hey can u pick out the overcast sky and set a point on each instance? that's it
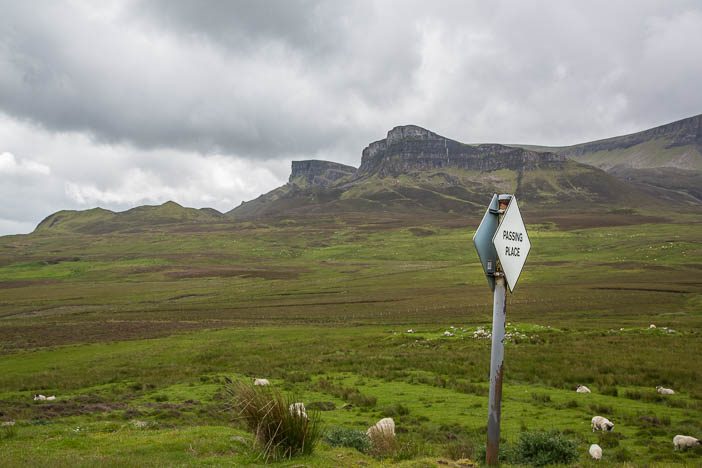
(118, 104)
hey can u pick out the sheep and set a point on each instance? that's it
(298, 409)
(410, 330)
(665, 391)
(582, 389)
(595, 451)
(39, 397)
(261, 382)
(652, 326)
(384, 428)
(51, 398)
(600, 423)
(683, 442)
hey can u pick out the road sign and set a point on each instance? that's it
(512, 243)
(482, 239)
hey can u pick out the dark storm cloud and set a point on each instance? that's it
(139, 101)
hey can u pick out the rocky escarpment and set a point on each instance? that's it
(680, 133)
(410, 148)
(318, 173)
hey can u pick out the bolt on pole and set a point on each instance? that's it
(497, 353)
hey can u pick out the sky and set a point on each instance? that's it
(123, 103)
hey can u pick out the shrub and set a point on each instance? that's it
(7, 430)
(345, 437)
(622, 455)
(543, 398)
(609, 439)
(461, 448)
(543, 448)
(392, 411)
(350, 394)
(278, 432)
(601, 409)
(322, 405)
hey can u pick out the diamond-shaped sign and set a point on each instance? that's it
(482, 239)
(512, 243)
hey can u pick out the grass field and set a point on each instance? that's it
(134, 333)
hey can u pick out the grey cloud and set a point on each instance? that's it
(158, 85)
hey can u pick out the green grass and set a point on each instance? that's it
(134, 334)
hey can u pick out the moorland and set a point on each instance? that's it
(135, 327)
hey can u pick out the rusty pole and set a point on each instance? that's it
(497, 354)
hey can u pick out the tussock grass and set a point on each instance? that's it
(278, 432)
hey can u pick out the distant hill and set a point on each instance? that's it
(99, 220)
(666, 160)
(414, 170)
(416, 174)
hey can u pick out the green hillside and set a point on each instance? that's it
(99, 221)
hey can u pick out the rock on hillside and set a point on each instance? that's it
(319, 173)
(410, 148)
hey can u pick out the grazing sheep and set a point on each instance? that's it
(595, 451)
(298, 409)
(410, 330)
(385, 428)
(448, 333)
(38, 397)
(652, 326)
(683, 442)
(582, 389)
(261, 382)
(665, 391)
(600, 423)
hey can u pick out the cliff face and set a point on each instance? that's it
(680, 133)
(318, 173)
(411, 148)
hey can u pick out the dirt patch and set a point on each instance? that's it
(24, 283)
(40, 335)
(80, 405)
(229, 272)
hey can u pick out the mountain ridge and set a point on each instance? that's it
(418, 172)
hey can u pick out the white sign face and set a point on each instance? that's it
(512, 243)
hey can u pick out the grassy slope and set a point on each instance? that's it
(297, 303)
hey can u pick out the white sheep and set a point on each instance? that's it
(595, 451)
(298, 409)
(582, 389)
(51, 398)
(600, 423)
(665, 391)
(410, 330)
(39, 397)
(448, 333)
(384, 428)
(652, 326)
(682, 442)
(261, 382)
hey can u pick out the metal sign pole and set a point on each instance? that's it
(499, 312)
(502, 243)
(497, 354)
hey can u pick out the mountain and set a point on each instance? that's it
(99, 220)
(664, 160)
(413, 170)
(416, 174)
